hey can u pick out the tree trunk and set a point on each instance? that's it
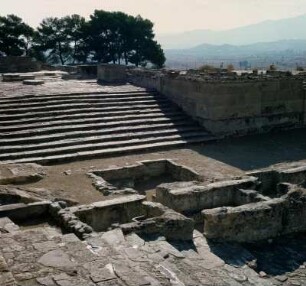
(126, 59)
(60, 54)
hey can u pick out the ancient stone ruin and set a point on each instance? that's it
(141, 177)
(94, 189)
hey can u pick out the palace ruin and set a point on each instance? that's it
(138, 180)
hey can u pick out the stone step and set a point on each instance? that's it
(84, 155)
(57, 128)
(86, 115)
(103, 145)
(95, 132)
(98, 139)
(55, 102)
(60, 96)
(88, 121)
(89, 109)
(81, 127)
(82, 106)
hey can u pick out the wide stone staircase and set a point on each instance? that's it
(55, 128)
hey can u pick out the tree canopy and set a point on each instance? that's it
(106, 37)
(15, 36)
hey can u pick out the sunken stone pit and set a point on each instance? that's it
(142, 177)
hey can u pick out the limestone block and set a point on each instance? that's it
(295, 215)
(20, 173)
(160, 220)
(33, 82)
(101, 215)
(22, 212)
(6, 225)
(194, 198)
(247, 223)
(112, 74)
(17, 77)
(11, 77)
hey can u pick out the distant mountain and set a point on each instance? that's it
(284, 53)
(268, 31)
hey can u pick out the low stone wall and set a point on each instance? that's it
(23, 212)
(189, 198)
(160, 220)
(101, 215)
(87, 71)
(271, 177)
(245, 223)
(19, 64)
(112, 74)
(231, 107)
(258, 221)
(130, 213)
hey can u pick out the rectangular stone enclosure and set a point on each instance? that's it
(141, 177)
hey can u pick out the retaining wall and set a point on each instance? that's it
(229, 107)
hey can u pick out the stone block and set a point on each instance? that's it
(247, 223)
(23, 212)
(295, 212)
(101, 215)
(112, 74)
(33, 82)
(162, 221)
(193, 198)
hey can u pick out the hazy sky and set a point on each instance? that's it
(168, 15)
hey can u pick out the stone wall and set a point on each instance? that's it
(229, 107)
(122, 180)
(246, 223)
(18, 64)
(270, 178)
(258, 221)
(87, 71)
(111, 74)
(101, 215)
(189, 198)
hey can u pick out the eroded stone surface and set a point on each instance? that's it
(23, 194)
(57, 259)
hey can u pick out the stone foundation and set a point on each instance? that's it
(258, 221)
(124, 180)
(190, 198)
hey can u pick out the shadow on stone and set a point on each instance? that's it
(283, 255)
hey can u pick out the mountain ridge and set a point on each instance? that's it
(286, 53)
(266, 31)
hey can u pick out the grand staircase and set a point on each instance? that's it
(57, 128)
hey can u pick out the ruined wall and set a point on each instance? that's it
(18, 64)
(111, 74)
(228, 107)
